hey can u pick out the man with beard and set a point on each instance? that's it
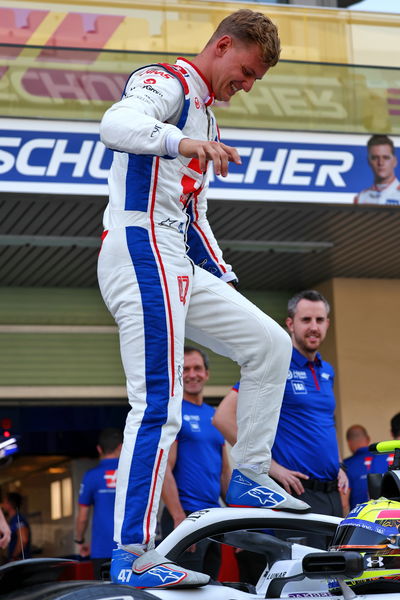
(198, 470)
(305, 454)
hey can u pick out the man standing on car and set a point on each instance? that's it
(198, 471)
(305, 454)
(162, 276)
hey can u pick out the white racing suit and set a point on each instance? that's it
(389, 194)
(156, 235)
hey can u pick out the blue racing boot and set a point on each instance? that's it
(151, 570)
(257, 490)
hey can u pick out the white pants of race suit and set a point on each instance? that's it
(156, 298)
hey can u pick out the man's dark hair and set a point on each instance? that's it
(312, 295)
(109, 439)
(380, 140)
(15, 499)
(190, 349)
(395, 425)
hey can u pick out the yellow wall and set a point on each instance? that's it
(308, 34)
(363, 345)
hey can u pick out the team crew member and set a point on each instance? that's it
(98, 491)
(305, 455)
(361, 463)
(198, 470)
(382, 160)
(19, 547)
(162, 274)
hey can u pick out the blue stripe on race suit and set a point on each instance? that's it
(184, 114)
(197, 251)
(157, 382)
(138, 181)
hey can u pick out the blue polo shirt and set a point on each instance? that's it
(358, 466)
(306, 438)
(98, 490)
(15, 524)
(198, 466)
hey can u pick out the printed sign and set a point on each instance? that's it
(68, 157)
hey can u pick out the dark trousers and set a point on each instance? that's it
(207, 555)
(322, 503)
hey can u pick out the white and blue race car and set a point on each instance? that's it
(292, 570)
(363, 562)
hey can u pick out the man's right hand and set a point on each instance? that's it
(220, 154)
(290, 480)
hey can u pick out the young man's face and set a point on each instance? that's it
(382, 162)
(236, 68)
(309, 325)
(195, 375)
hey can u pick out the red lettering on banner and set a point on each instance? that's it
(54, 83)
(183, 284)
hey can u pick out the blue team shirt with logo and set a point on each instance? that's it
(358, 466)
(98, 490)
(198, 465)
(306, 438)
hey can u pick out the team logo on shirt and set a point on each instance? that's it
(197, 102)
(150, 81)
(298, 387)
(111, 478)
(193, 421)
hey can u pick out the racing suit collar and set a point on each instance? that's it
(208, 95)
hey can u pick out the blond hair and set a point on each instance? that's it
(251, 27)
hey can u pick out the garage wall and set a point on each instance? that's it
(66, 337)
(363, 345)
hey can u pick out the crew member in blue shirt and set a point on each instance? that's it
(19, 547)
(198, 470)
(305, 454)
(361, 463)
(98, 491)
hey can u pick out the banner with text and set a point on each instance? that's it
(59, 157)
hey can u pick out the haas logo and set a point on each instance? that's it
(183, 284)
(111, 478)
